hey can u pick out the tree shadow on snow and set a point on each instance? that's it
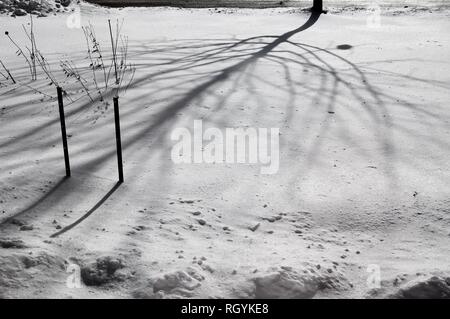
(179, 77)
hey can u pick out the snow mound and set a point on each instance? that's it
(12, 243)
(433, 287)
(102, 271)
(181, 283)
(40, 8)
(287, 283)
(21, 270)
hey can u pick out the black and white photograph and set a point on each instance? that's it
(214, 150)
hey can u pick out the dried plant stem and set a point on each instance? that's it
(100, 54)
(93, 65)
(35, 90)
(113, 52)
(7, 71)
(20, 52)
(38, 56)
(71, 70)
(33, 48)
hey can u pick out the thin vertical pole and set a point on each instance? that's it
(318, 6)
(113, 46)
(118, 139)
(63, 130)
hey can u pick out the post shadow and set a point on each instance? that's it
(37, 202)
(89, 212)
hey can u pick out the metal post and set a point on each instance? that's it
(63, 130)
(318, 6)
(118, 139)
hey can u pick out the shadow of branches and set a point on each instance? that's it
(212, 79)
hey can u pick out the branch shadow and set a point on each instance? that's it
(159, 119)
(174, 74)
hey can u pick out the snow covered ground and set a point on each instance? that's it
(361, 194)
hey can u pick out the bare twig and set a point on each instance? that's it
(97, 49)
(7, 71)
(70, 70)
(114, 47)
(33, 47)
(35, 90)
(93, 65)
(20, 52)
